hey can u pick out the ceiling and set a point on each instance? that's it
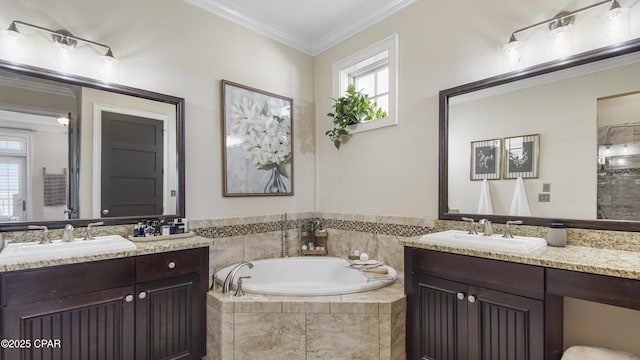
(311, 26)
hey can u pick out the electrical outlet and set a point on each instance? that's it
(542, 197)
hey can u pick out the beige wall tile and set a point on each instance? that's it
(226, 251)
(390, 251)
(359, 307)
(342, 337)
(262, 246)
(269, 336)
(365, 242)
(310, 307)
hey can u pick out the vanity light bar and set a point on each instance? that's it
(62, 37)
(564, 18)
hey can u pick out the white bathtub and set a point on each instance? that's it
(306, 276)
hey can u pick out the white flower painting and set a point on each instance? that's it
(258, 153)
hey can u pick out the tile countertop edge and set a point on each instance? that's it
(143, 248)
(616, 263)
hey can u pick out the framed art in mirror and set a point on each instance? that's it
(522, 156)
(485, 159)
(256, 127)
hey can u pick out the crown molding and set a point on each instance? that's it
(314, 47)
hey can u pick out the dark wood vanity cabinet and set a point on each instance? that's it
(170, 309)
(146, 307)
(462, 307)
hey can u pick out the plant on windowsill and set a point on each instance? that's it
(349, 110)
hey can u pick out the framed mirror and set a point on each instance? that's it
(76, 150)
(578, 114)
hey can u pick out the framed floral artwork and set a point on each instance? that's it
(485, 159)
(257, 128)
(522, 156)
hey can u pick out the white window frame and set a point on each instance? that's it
(25, 154)
(374, 53)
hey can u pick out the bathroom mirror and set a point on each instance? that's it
(75, 150)
(563, 105)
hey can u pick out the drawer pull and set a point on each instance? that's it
(128, 298)
(142, 295)
(472, 299)
(460, 296)
(171, 265)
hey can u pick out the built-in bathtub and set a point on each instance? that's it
(308, 276)
(357, 324)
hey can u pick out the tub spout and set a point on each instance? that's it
(232, 274)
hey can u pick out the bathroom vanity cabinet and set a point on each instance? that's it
(462, 307)
(144, 307)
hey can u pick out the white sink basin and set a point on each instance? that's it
(58, 249)
(457, 238)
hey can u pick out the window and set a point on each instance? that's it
(13, 159)
(372, 70)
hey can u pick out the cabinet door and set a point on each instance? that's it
(504, 326)
(97, 325)
(170, 318)
(442, 319)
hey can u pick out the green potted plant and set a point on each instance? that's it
(351, 109)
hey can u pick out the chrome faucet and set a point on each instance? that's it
(488, 229)
(472, 225)
(45, 233)
(226, 287)
(507, 228)
(68, 233)
(89, 236)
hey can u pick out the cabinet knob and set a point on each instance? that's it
(472, 299)
(128, 298)
(171, 265)
(460, 296)
(105, 211)
(142, 295)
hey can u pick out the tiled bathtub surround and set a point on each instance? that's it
(253, 238)
(368, 325)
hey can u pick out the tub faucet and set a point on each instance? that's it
(45, 233)
(89, 236)
(488, 229)
(226, 287)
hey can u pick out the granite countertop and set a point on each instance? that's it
(142, 248)
(617, 263)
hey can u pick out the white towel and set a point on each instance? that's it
(484, 205)
(578, 352)
(519, 203)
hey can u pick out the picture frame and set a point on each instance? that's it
(257, 128)
(485, 159)
(521, 156)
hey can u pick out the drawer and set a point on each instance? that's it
(518, 279)
(30, 286)
(174, 263)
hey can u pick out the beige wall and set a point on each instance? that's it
(174, 48)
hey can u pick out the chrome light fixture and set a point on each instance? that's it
(561, 23)
(63, 38)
